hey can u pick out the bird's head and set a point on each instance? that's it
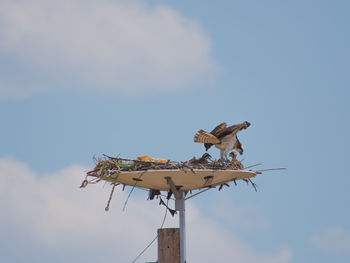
(246, 124)
(207, 146)
(206, 156)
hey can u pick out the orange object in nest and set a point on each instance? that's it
(146, 158)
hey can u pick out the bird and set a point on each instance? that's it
(224, 138)
(203, 160)
(237, 165)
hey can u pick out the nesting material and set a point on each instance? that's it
(151, 173)
(111, 166)
(196, 173)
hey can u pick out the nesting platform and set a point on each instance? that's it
(193, 174)
(184, 180)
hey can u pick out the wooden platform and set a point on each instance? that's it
(188, 180)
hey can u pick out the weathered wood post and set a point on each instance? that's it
(169, 245)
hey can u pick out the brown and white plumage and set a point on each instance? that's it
(224, 138)
(235, 163)
(205, 137)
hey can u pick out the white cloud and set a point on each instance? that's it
(210, 243)
(246, 217)
(122, 46)
(334, 240)
(52, 214)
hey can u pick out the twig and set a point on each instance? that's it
(84, 183)
(253, 184)
(110, 197)
(127, 199)
(132, 189)
(189, 167)
(272, 169)
(250, 166)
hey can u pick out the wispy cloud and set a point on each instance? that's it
(333, 240)
(122, 46)
(247, 217)
(52, 212)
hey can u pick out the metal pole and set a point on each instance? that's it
(180, 206)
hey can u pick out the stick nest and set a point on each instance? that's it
(111, 166)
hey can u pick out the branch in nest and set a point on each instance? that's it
(271, 169)
(251, 166)
(84, 183)
(110, 198)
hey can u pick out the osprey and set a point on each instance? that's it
(236, 164)
(203, 160)
(224, 138)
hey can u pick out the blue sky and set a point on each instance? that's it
(83, 78)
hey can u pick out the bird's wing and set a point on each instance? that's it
(238, 143)
(238, 146)
(218, 129)
(205, 137)
(234, 129)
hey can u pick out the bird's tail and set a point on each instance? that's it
(205, 137)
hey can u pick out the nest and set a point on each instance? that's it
(110, 167)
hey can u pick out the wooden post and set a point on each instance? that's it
(169, 245)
